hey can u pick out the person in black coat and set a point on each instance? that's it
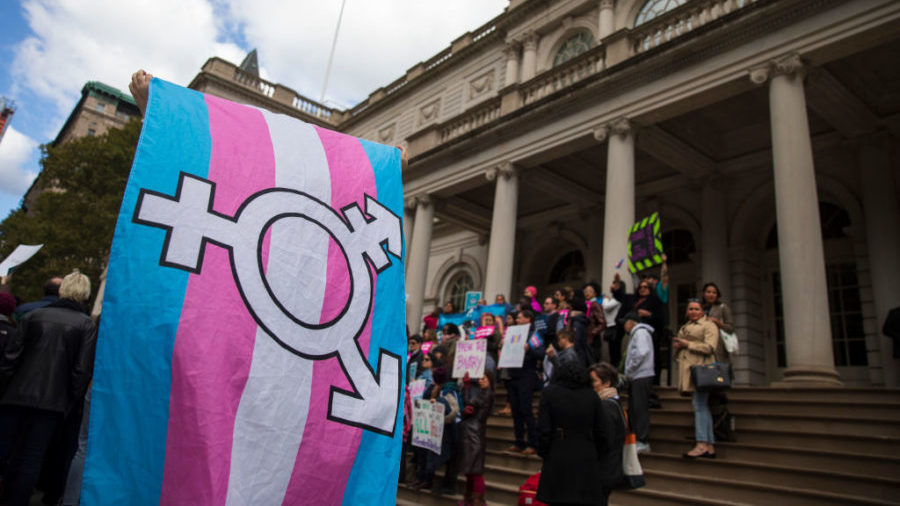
(8, 330)
(522, 383)
(579, 441)
(47, 370)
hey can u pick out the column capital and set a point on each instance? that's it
(530, 40)
(423, 200)
(607, 4)
(505, 170)
(790, 65)
(619, 126)
(511, 49)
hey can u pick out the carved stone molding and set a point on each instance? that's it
(481, 85)
(607, 4)
(790, 64)
(423, 200)
(506, 170)
(512, 48)
(429, 112)
(409, 204)
(386, 133)
(618, 126)
(530, 40)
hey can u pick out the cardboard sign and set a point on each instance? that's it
(472, 299)
(470, 356)
(428, 425)
(417, 389)
(645, 247)
(513, 352)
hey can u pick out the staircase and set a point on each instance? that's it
(797, 447)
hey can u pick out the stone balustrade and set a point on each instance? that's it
(677, 22)
(564, 75)
(479, 115)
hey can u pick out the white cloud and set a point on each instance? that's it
(17, 151)
(75, 41)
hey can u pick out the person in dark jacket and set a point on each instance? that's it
(520, 387)
(48, 368)
(8, 329)
(580, 440)
(51, 295)
(478, 401)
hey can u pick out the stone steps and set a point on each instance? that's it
(822, 446)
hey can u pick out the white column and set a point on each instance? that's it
(498, 278)
(714, 238)
(417, 263)
(512, 62)
(801, 256)
(529, 56)
(882, 214)
(618, 212)
(606, 25)
(409, 210)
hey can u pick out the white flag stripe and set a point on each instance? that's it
(273, 409)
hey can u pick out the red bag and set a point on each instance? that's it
(528, 491)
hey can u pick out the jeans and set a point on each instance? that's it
(703, 423)
(72, 495)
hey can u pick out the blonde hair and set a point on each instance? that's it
(75, 286)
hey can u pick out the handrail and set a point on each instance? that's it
(479, 115)
(570, 72)
(681, 20)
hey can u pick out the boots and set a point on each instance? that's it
(478, 499)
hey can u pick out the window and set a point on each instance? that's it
(679, 246)
(832, 218)
(570, 267)
(92, 132)
(577, 44)
(848, 338)
(100, 106)
(458, 286)
(655, 8)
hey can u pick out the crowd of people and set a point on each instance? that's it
(590, 347)
(46, 363)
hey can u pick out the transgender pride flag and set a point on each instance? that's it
(253, 321)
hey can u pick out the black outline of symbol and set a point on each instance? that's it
(343, 217)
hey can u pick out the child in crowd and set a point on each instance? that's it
(478, 399)
(446, 392)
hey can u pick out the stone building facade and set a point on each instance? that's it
(763, 132)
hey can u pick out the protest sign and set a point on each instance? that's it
(645, 247)
(416, 389)
(428, 424)
(472, 299)
(483, 332)
(19, 256)
(513, 352)
(470, 356)
(268, 255)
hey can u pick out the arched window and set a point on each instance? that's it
(679, 246)
(655, 8)
(575, 45)
(457, 288)
(570, 267)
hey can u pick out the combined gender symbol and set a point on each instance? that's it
(190, 222)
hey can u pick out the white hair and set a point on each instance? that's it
(75, 286)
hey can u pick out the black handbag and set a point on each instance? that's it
(714, 376)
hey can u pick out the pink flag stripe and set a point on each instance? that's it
(267, 433)
(216, 333)
(328, 449)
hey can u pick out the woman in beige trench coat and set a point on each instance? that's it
(696, 345)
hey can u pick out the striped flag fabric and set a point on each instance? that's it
(253, 324)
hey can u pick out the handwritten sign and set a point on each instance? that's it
(428, 425)
(417, 389)
(645, 247)
(513, 352)
(470, 358)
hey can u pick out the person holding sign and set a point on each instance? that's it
(478, 401)
(522, 383)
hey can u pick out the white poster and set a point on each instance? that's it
(416, 389)
(428, 424)
(513, 352)
(470, 356)
(18, 257)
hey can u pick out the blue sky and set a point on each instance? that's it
(50, 48)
